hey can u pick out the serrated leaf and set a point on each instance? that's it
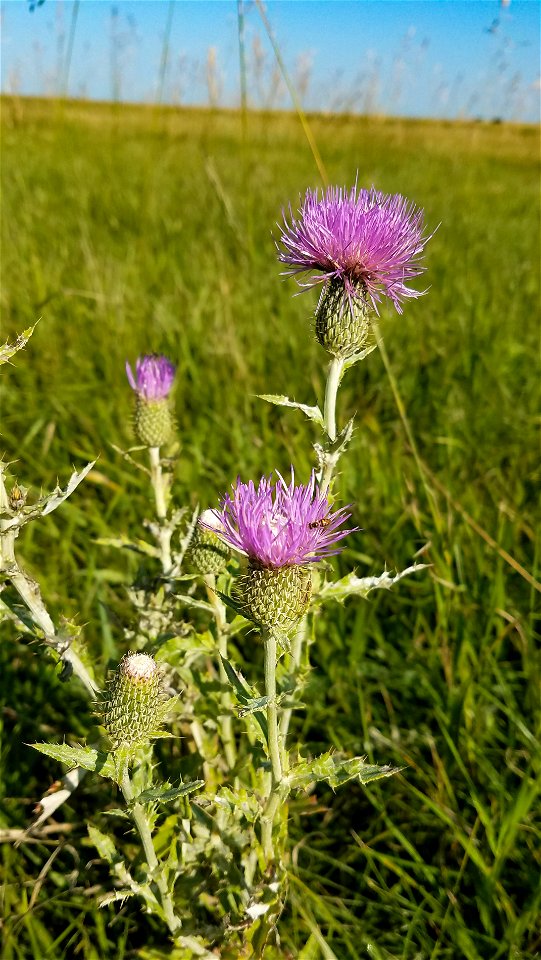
(350, 361)
(335, 771)
(193, 603)
(7, 350)
(351, 585)
(233, 604)
(105, 845)
(116, 812)
(244, 694)
(165, 795)
(258, 704)
(332, 451)
(124, 543)
(86, 757)
(50, 502)
(117, 896)
(313, 413)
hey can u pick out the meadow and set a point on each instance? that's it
(129, 230)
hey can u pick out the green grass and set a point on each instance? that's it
(129, 230)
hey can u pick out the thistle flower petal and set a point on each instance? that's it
(279, 524)
(154, 376)
(372, 242)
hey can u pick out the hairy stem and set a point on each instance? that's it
(274, 799)
(329, 416)
(140, 820)
(296, 656)
(220, 619)
(30, 594)
(160, 497)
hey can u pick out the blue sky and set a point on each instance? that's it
(442, 58)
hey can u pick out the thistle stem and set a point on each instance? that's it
(139, 818)
(160, 497)
(29, 593)
(329, 417)
(296, 655)
(226, 722)
(274, 799)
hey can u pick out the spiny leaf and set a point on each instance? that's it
(7, 350)
(244, 694)
(86, 757)
(50, 502)
(313, 413)
(166, 794)
(351, 585)
(336, 771)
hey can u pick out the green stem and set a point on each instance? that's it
(329, 416)
(220, 619)
(275, 797)
(296, 656)
(139, 817)
(160, 497)
(29, 593)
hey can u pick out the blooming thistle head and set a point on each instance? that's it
(362, 245)
(135, 702)
(282, 529)
(152, 383)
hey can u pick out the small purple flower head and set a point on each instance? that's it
(370, 241)
(154, 376)
(277, 525)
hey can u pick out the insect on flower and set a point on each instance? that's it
(323, 522)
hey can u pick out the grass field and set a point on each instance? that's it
(129, 230)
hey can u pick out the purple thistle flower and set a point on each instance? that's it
(371, 241)
(277, 525)
(154, 376)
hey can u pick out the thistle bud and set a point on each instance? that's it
(276, 597)
(207, 553)
(153, 380)
(135, 705)
(342, 323)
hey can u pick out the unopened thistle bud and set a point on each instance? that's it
(135, 704)
(342, 323)
(153, 380)
(207, 553)
(283, 530)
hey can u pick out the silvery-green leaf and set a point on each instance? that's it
(313, 413)
(58, 496)
(231, 602)
(244, 694)
(350, 361)
(335, 771)
(117, 896)
(48, 503)
(252, 705)
(165, 795)
(7, 350)
(85, 757)
(105, 846)
(124, 543)
(332, 451)
(351, 585)
(192, 602)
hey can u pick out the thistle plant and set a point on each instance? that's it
(214, 868)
